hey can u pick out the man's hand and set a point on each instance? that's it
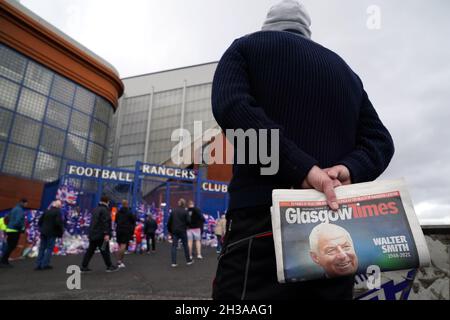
(106, 238)
(318, 179)
(339, 172)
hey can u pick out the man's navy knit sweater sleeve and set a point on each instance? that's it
(235, 108)
(374, 146)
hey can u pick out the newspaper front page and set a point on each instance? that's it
(375, 225)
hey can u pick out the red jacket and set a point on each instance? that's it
(138, 233)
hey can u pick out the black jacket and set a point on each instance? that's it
(196, 217)
(126, 221)
(51, 224)
(178, 221)
(150, 226)
(100, 223)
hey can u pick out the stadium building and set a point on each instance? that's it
(60, 103)
(152, 107)
(156, 104)
(57, 99)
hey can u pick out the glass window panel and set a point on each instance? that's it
(137, 104)
(2, 151)
(134, 128)
(57, 114)
(19, 161)
(5, 123)
(84, 100)
(140, 137)
(63, 90)
(26, 131)
(38, 78)
(124, 131)
(155, 146)
(133, 149)
(124, 140)
(159, 157)
(131, 167)
(47, 167)
(63, 168)
(8, 94)
(32, 104)
(168, 98)
(198, 92)
(198, 105)
(140, 117)
(75, 148)
(52, 140)
(129, 160)
(161, 134)
(172, 122)
(204, 116)
(131, 139)
(172, 110)
(103, 110)
(79, 124)
(12, 64)
(98, 132)
(94, 154)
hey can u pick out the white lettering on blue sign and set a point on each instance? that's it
(214, 187)
(168, 172)
(99, 173)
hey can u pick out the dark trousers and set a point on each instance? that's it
(151, 236)
(176, 236)
(247, 266)
(45, 251)
(219, 243)
(11, 243)
(93, 245)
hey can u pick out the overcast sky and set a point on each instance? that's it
(405, 65)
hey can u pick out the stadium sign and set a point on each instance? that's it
(214, 187)
(100, 173)
(168, 172)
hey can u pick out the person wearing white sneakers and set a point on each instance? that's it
(194, 231)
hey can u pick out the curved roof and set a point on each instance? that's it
(26, 32)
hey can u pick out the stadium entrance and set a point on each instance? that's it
(149, 185)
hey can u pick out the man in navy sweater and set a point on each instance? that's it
(329, 135)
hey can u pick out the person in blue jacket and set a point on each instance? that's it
(15, 226)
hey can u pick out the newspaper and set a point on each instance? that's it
(374, 227)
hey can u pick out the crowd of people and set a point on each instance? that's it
(185, 223)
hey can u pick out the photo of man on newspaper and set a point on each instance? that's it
(332, 248)
(375, 225)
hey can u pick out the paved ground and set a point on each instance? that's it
(146, 277)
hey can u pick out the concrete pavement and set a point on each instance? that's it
(145, 277)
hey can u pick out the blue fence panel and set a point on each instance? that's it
(49, 194)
